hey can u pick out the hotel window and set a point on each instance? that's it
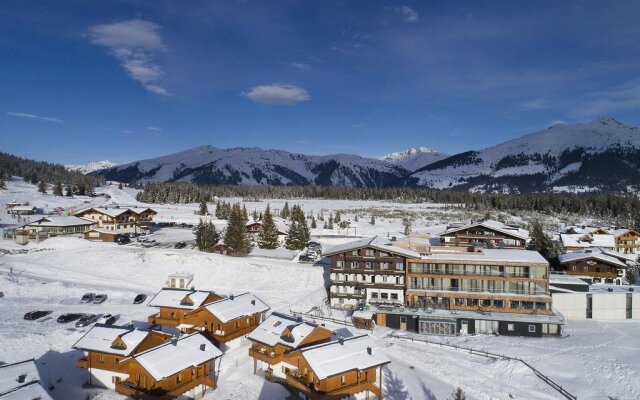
(384, 265)
(374, 295)
(354, 252)
(510, 327)
(400, 266)
(383, 254)
(384, 278)
(394, 296)
(384, 296)
(532, 329)
(343, 380)
(101, 359)
(368, 265)
(354, 264)
(340, 264)
(369, 252)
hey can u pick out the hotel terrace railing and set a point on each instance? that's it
(298, 382)
(156, 319)
(498, 274)
(130, 389)
(265, 355)
(497, 291)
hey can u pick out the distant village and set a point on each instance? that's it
(476, 277)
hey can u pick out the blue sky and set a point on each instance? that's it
(84, 81)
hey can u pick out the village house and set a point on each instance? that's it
(120, 219)
(575, 238)
(278, 335)
(106, 347)
(100, 235)
(253, 229)
(174, 303)
(486, 233)
(60, 226)
(595, 263)
(367, 271)
(627, 241)
(343, 368)
(20, 381)
(23, 210)
(8, 206)
(228, 318)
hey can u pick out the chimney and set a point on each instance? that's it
(231, 297)
(174, 341)
(22, 378)
(369, 351)
(203, 346)
(340, 339)
(253, 302)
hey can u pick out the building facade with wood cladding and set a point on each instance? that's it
(174, 304)
(367, 271)
(486, 233)
(596, 264)
(120, 219)
(344, 368)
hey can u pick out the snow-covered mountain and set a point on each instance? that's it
(91, 167)
(603, 154)
(414, 157)
(242, 165)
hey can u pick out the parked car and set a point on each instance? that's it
(86, 320)
(122, 239)
(107, 319)
(68, 317)
(87, 297)
(140, 299)
(100, 298)
(307, 257)
(180, 245)
(33, 315)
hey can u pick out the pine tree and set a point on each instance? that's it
(217, 213)
(337, 217)
(330, 223)
(285, 213)
(268, 235)
(373, 220)
(295, 239)
(203, 207)
(541, 242)
(355, 218)
(42, 187)
(245, 214)
(3, 183)
(57, 190)
(120, 186)
(67, 191)
(34, 179)
(254, 214)
(206, 236)
(235, 237)
(314, 224)
(406, 222)
(458, 394)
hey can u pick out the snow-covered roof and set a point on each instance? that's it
(116, 211)
(12, 388)
(60, 221)
(173, 298)
(375, 242)
(23, 208)
(586, 255)
(496, 255)
(232, 307)
(174, 356)
(491, 224)
(271, 330)
(621, 231)
(362, 314)
(343, 355)
(100, 338)
(566, 279)
(631, 258)
(587, 240)
(282, 225)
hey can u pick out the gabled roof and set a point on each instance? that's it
(233, 307)
(340, 356)
(375, 242)
(622, 231)
(271, 331)
(174, 298)
(24, 208)
(60, 221)
(282, 225)
(587, 240)
(11, 386)
(589, 255)
(106, 339)
(491, 224)
(176, 355)
(117, 210)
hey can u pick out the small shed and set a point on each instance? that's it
(362, 319)
(100, 235)
(180, 280)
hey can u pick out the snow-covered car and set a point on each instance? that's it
(87, 297)
(68, 317)
(107, 319)
(33, 315)
(100, 298)
(86, 320)
(139, 299)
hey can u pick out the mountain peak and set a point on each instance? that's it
(91, 167)
(411, 151)
(610, 121)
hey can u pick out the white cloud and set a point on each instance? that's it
(278, 94)
(409, 14)
(301, 65)
(153, 129)
(33, 116)
(134, 43)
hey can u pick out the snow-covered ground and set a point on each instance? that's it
(596, 360)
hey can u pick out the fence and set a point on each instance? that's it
(494, 356)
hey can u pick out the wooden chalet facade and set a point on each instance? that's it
(627, 241)
(282, 225)
(174, 304)
(227, 318)
(107, 348)
(367, 271)
(486, 233)
(278, 335)
(603, 268)
(344, 368)
(509, 281)
(120, 220)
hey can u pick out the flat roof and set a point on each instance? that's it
(375, 242)
(494, 255)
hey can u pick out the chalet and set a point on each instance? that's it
(600, 266)
(60, 226)
(120, 220)
(583, 241)
(107, 347)
(8, 206)
(100, 235)
(367, 271)
(23, 210)
(253, 229)
(174, 303)
(627, 241)
(278, 335)
(344, 368)
(228, 318)
(487, 233)
(21, 380)
(344, 224)
(181, 367)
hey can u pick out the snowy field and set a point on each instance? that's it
(596, 359)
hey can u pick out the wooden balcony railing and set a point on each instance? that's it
(298, 382)
(130, 389)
